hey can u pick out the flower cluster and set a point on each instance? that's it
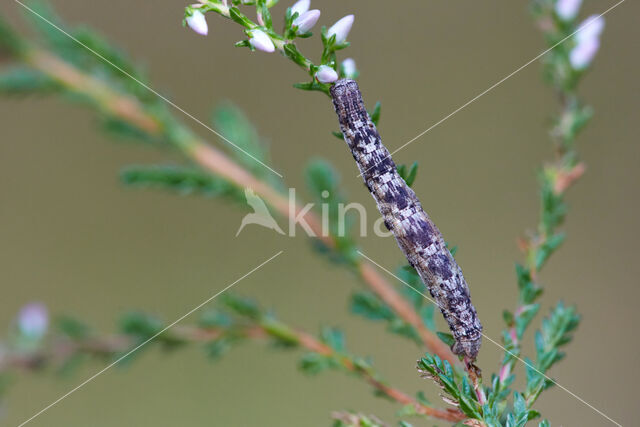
(586, 38)
(587, 41)
(299, 20)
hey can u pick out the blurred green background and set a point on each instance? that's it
(73, 237)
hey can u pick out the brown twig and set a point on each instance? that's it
(61, 350)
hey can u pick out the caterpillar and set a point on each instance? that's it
(416, 235)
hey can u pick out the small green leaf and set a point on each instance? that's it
(239, 18)
(408, 175)
(446, 338)
(334, 338)
(243, 306)
(507, 316)
(73, 328)
(292, 52)
(141, 325)
(20, 80)
(314, 363)
(313, 86)
(213, 318)
(375, 114)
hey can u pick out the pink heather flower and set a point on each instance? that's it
(349, 69)
(198, 23)
(261, 41)
(568, 9)
(581, 56)
(341, 29)
(301, 7)
(260, 19)
(326, 74)
(306, 21)
(590, 28)
(33, 320)
(587, 42)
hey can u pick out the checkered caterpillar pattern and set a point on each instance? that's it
(418, 237)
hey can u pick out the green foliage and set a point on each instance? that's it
(217, 348)
(408, 174)
(458, 390)
(313, 86)
(122, 129)
(90, 52)
(369, 306)
(545, 250)
(214, 318)
(415, 292)
(73, 328)
(324, 185)
(375, 116)
(556, 332)
(313, 363)
(235, 319)
(529, 290)
(496, 396)
(21, 80)
(246, 307)
(520, 415)
(558, 327)
(236, 127)
(140, 325)
(334, 338)
(446, 338)
(181, 179)
(10, 41)
(554, 209)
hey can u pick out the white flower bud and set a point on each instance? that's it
(349, 69)
(341, 29)
(301, 7)
(581, 56)
(306, 21)
(568, 9)
(33, 320)
(261, 41)
(326, 74)
(590, 28)
(198, 23)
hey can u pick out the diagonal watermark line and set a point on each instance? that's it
(502, 80)
(150, 89)
(499, 345)
(127, 354)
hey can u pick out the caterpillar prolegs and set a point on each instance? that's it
(418, 237)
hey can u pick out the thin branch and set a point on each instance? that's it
(62, 349)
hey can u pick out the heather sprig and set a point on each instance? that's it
(71, 343)
(263, 36)
(58, 65)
